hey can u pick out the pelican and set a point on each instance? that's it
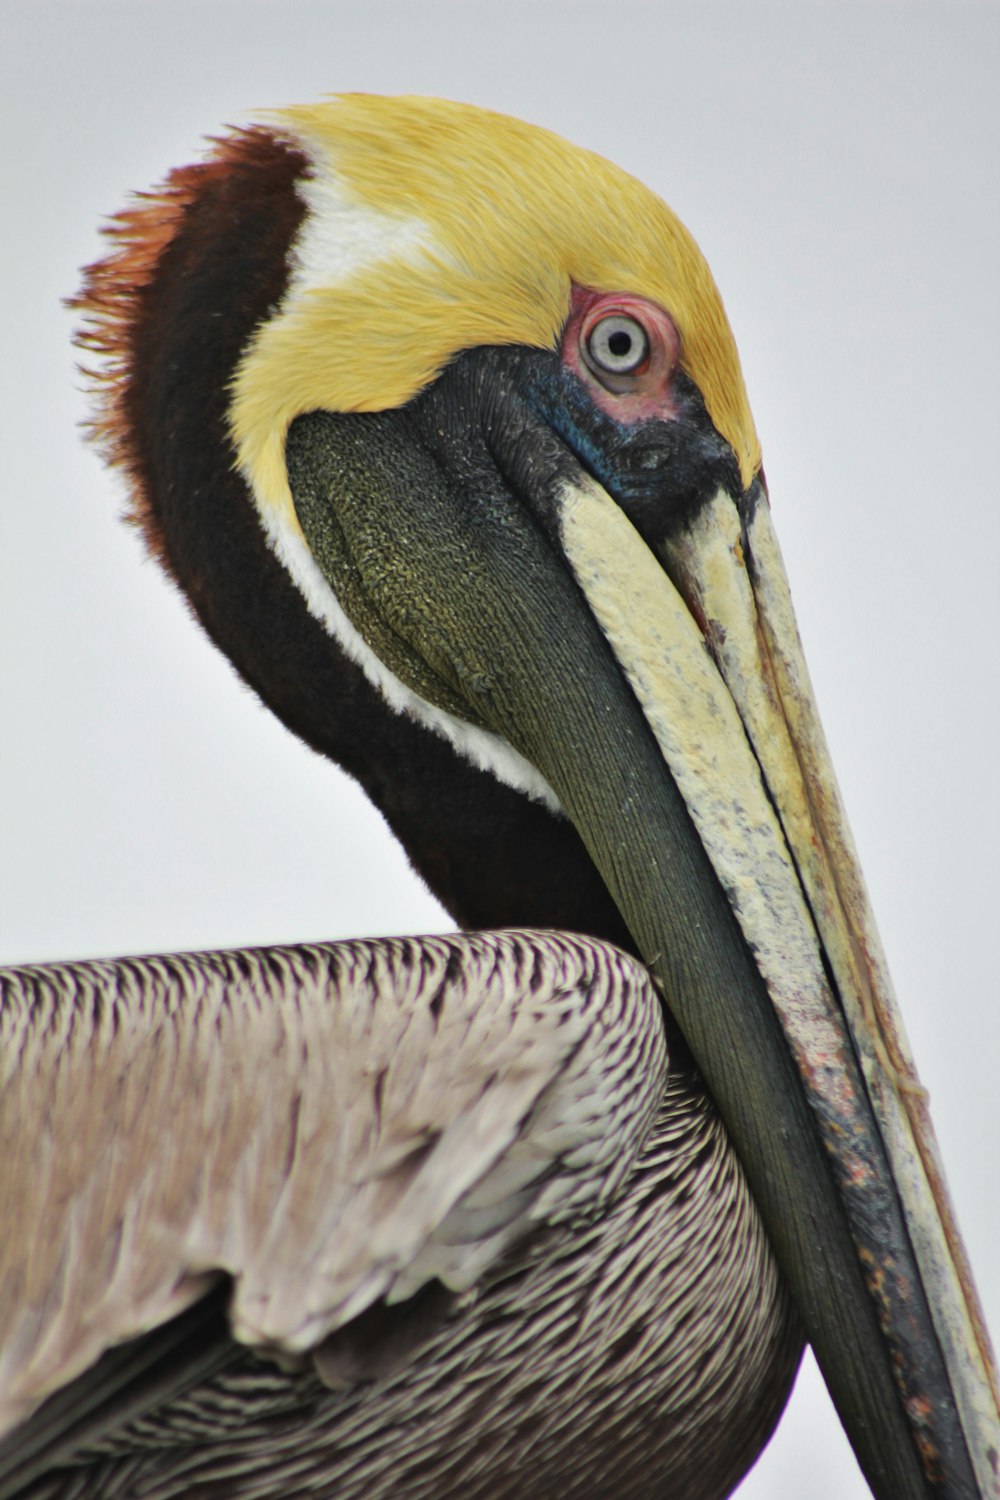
(438, 423)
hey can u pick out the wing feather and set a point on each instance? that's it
(327, 1126)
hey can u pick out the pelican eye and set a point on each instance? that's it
(617, 345)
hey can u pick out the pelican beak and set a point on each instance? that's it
(713, 654)
(655, 679)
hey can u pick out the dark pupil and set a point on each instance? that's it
(620, 344)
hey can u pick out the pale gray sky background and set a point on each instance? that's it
(838, 164)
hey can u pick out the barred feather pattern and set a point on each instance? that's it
(616, 1304)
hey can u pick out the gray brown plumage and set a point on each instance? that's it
(336, 1125)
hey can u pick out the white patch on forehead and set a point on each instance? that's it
(341, 235)
(483, 749)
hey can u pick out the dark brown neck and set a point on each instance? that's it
(492, 857)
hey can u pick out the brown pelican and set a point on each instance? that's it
(439, 424)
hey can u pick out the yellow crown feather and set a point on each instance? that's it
(470, 228)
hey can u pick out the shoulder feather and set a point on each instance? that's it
(328, 1126)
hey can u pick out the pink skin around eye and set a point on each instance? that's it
(648, 392)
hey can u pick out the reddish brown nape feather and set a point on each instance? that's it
(115, 299)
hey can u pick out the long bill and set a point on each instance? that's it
(665, 701)
(739, 730)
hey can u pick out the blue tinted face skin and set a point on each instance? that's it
(660, 471)
(511, 424)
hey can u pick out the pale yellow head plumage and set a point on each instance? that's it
(436, 227)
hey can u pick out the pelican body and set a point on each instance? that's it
(439, 425)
